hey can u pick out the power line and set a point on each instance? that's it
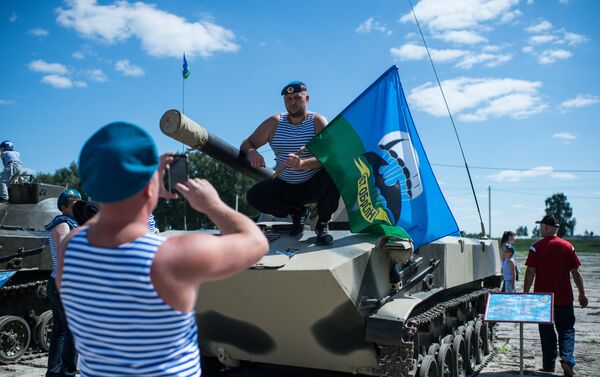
(518, 169)
(546, 195)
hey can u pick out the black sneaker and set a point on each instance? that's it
(323, 236)
(2, 200)
(298, 220)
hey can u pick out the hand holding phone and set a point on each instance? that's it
(178, 172)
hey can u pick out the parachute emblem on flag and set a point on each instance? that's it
(396, 170)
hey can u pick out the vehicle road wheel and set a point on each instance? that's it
(480, 334)
(433, 349)
(428, 367)
(445, 361)
(43, 330)
(459, 351)
(471, 343)
(15, 336)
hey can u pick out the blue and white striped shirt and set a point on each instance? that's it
(122, 327)
(72, 223)
(288, 138)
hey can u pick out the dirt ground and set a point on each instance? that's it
(505, 363)
(587, 335)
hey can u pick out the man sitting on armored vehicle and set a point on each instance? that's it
(302, 179)
(130, 294)
(11, 160)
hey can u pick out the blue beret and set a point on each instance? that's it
(69, 193)
(117, 162)
(293, 87)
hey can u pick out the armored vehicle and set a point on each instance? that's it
(364, 305)
(25, 266)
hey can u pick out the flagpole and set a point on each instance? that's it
(183, 145)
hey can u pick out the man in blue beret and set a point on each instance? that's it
(302, 179)
(62, 356)
(129, 294)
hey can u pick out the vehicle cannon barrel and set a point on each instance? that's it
(181, 128)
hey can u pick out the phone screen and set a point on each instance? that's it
(178, 171)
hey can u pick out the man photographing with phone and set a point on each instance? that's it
(129, 295)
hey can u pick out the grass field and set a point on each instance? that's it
(582, 245)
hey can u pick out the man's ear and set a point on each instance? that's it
(307, 98)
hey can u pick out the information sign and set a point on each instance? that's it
(520, 307)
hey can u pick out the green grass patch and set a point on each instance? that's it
(582, 245)
(502, 350)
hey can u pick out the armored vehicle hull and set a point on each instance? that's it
(364, 305)
(25, 266)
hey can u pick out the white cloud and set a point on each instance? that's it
(62, 82)
(529, 2)
(38, 32)
(489, 60)
(96, 75)
(12, 17)
(461, 37)
(544, 38)
(369, 25)
(528, 50)
(574, 39)
(460, 14)
(551, 56)
(563, 2)
(125, 67)
(45, 67)
(564, 176)
(410, 51)
(78, 55)
(539, 27)
(566, 136)
(540, 171)
(477, 99)
(580, 101)
(160, 33)
(464, 59)
(518, 175)
(6, 102)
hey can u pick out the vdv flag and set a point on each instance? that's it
(186, 71)
(373, 153)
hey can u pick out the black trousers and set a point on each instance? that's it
(279, 198)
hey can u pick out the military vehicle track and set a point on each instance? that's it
(470, 342)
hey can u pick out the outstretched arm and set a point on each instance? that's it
(578, 279)
(182, 263)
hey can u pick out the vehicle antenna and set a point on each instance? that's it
(451, 118)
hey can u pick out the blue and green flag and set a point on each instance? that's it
(373, 153)
(186, 71)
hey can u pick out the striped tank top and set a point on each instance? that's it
(120, 324)
(72, 223)
(288, 138)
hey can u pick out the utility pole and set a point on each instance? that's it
(489, 211)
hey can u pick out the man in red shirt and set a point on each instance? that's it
(549, 263)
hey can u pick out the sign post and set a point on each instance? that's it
(520, 308)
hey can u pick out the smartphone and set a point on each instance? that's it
(178, 172)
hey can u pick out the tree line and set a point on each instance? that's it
(171, 214)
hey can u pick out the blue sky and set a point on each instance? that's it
(520, 77)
